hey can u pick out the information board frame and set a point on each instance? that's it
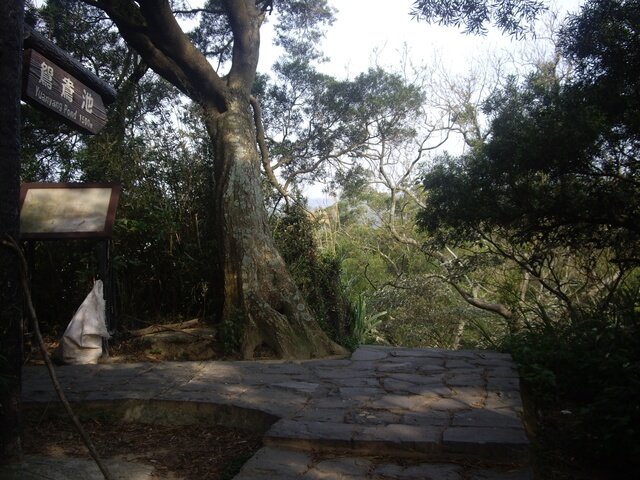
(53, 211)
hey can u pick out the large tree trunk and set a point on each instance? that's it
(258, 289)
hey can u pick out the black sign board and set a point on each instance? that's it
(49, 87)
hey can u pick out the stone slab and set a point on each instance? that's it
(418, 403)
(64, 468)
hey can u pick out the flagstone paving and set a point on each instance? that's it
(381, 413)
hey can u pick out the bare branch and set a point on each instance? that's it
(262, 144)
(12, 244)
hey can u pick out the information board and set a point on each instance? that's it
(68, 210)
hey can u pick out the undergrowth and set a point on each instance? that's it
(586, 369)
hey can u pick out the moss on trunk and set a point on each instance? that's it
(258, 289)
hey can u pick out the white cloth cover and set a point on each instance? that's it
(81, 342)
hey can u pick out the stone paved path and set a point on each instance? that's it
(382, 413)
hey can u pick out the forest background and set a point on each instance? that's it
(495, 207)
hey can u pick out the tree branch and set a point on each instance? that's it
(245, 20)
(262, 144)
(498, 308)
(150, 27)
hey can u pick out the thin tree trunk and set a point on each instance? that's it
(459, 332)
(12, 14)
(258, 289)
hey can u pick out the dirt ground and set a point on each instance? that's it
(176, 452)
(202, 452)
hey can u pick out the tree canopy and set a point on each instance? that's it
(511, 16)
(546, 211)
(561, 163)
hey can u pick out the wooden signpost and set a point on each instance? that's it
(48, 87)
(61, 86)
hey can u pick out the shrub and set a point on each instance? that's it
(590, 364)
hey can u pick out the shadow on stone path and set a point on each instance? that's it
(382, 413)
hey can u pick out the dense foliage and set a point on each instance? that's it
(162, 253)
(318, 275)
(552, 197)
(512, 16)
